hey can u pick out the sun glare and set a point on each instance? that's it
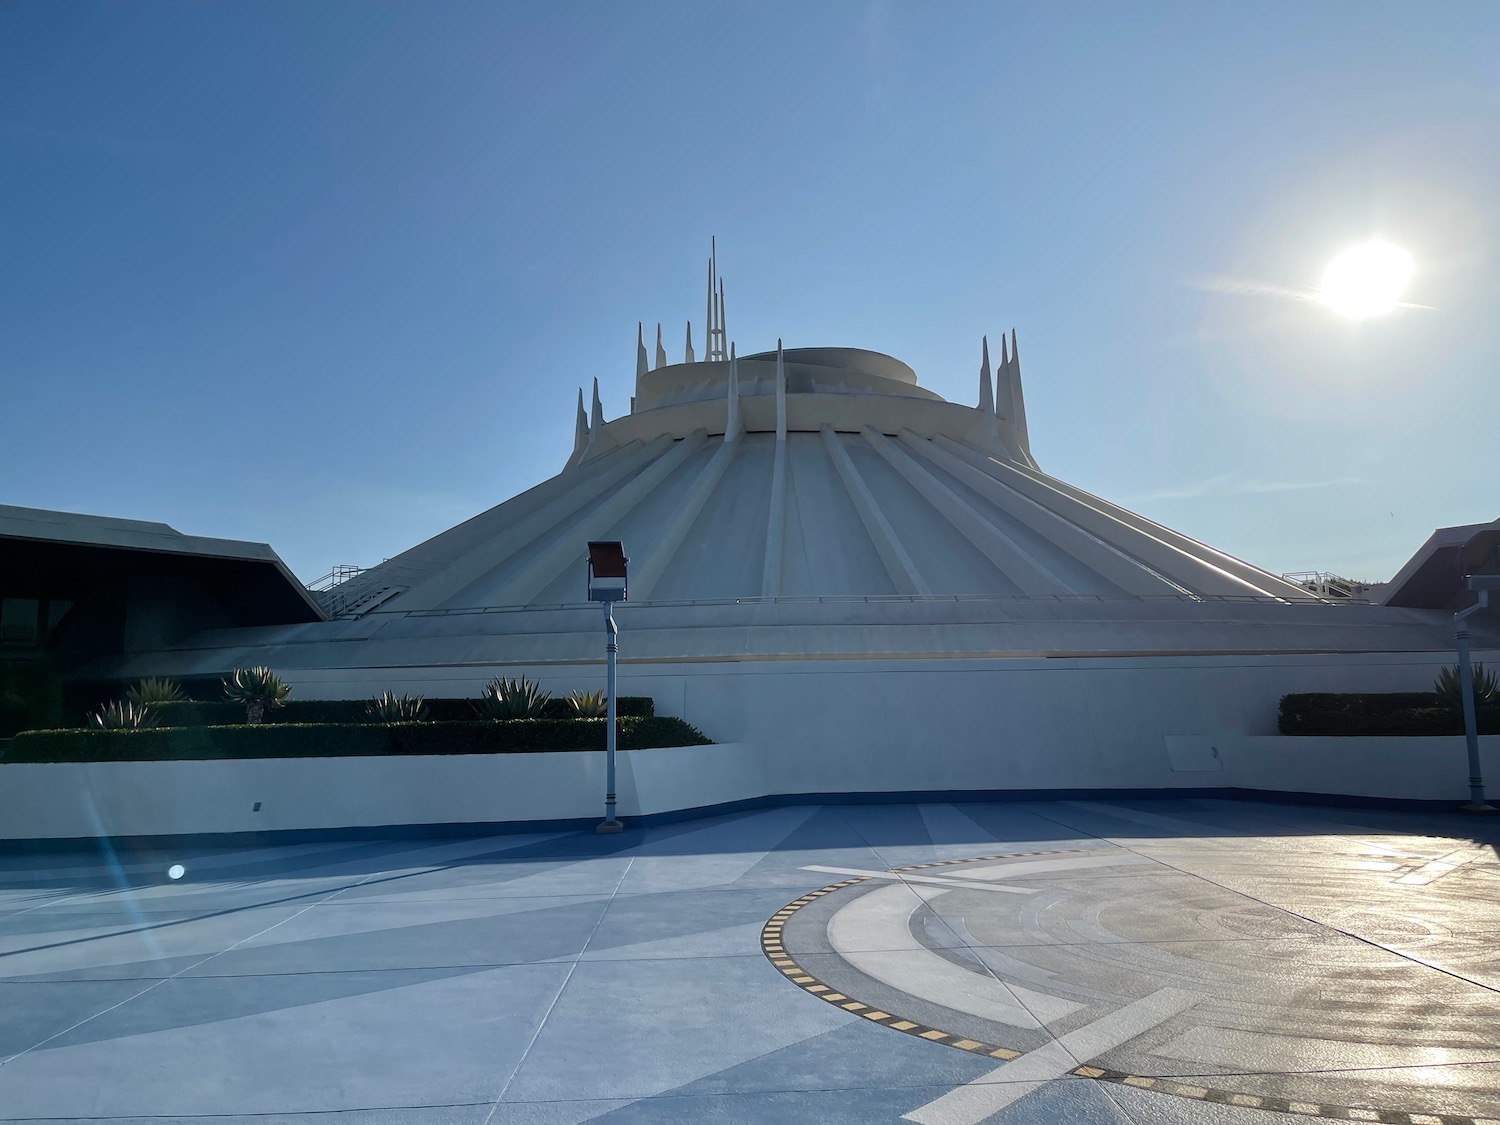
(1366, 280)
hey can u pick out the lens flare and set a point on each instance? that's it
(1366, 280)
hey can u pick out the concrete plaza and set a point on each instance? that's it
(1140, 962)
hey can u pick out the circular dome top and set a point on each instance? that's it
(861, 360)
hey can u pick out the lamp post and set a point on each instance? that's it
(1481, 584)
(607, 584)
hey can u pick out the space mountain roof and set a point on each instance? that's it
(802, 503)
(809, 472)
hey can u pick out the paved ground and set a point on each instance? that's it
(1133, 962)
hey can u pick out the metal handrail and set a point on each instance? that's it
(882, 599)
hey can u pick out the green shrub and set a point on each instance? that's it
(296, 740)
(203, 713)
(588, 704)
(257, 689)
(390, 708)
(122, 715)
(1449, 687)
(1377, 714)
(512, 699)
(154, 690)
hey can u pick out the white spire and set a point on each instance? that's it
(687, 351)
(1018, 401)
(986, 388)
(596, 420)
(661, 352)
(732, 416)
(1004, 398)
(581, 427)
(780, 394)
(641, 366)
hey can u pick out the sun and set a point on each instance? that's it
(1366, 280)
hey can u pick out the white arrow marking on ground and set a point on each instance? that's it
(872, 934)
(990, 1093)
(909, 877)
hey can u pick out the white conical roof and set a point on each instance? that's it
(871, 486)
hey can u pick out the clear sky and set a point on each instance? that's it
(329, 275)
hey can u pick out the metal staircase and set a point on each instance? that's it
(1326, 584)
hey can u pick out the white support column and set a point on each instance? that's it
(902, 571)
(732, 424)
(1004, 553)
(1198, 568)
(645, 575)
(595, 525)
(591, 481)
(1106, 560)
(770, 586)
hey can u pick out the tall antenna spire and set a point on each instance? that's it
(708, 315)
(661, 352)
(716, 342)
(641, 366)
(687, 351)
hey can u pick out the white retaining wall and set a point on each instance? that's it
(164, 798)
(793, 727)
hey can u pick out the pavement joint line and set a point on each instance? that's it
(813, 986)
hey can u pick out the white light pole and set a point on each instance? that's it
(607, 584)
(1481, 584)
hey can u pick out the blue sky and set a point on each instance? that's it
(329, 275)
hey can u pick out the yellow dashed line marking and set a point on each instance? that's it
(771, 946)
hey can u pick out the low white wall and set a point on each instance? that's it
(794, 727)
(934, 723)
(1420, 769)
(62, 801)
(67, 800)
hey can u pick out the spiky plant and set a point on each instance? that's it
(587, 704)
(1449, 687)
(154, 689)
(512, 699)
(387, 707)
(257, 689)
(121, 714)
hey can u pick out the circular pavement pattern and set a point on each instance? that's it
(1167, 982)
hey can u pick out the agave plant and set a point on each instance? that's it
(121, 714)
(512, 699)
(257, 689)
(388, 707)
(1449, 687)
(155, 689)
(587, 704)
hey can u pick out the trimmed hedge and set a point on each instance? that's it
(199, 713)
(338, 740)
(1371, 714)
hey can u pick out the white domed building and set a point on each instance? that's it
(874, 588)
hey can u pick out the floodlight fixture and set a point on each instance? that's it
(607, 572)
(1482, 582)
